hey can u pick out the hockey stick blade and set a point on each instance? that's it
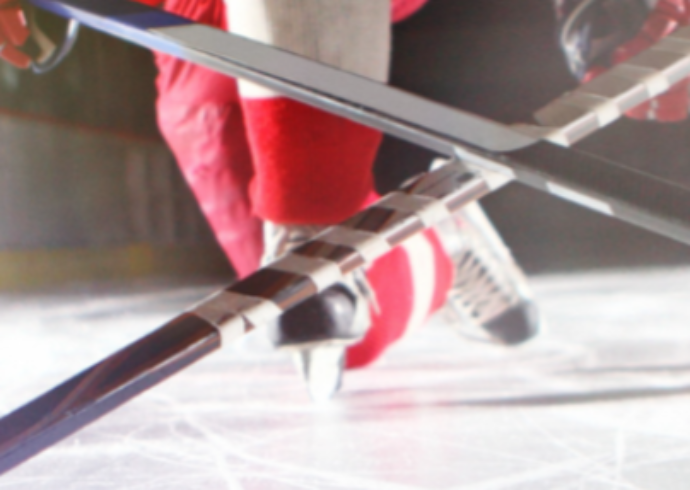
(638, 198)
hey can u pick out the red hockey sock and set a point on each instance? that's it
(207, 138)
(311, 167)
(410, 283)
(199, 115)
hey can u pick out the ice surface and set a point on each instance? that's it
(602, 401)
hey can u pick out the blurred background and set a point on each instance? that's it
(89, 191)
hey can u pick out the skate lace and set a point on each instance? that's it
(477, 289)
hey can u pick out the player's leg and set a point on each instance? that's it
(200, 117)
(314, 169)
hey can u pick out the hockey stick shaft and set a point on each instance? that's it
(602, 185)
(229, 314)
(103, 387)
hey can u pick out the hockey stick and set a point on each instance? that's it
(227, 315)
(602, 185)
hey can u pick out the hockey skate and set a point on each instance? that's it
(490, 297)
(318, 330)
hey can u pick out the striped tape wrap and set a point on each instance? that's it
(338, 250)
(605, 99)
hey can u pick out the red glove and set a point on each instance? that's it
(673, 105)
(402, 9)
(14, 32)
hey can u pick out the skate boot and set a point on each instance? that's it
(319, 330)
(490, 296)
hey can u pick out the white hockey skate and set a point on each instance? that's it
(490, 296)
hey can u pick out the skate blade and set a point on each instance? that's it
(322, 370)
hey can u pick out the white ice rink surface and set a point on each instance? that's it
(601, 401)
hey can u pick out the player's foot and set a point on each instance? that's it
(318, 330)
(365, 315)
(490, 294)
